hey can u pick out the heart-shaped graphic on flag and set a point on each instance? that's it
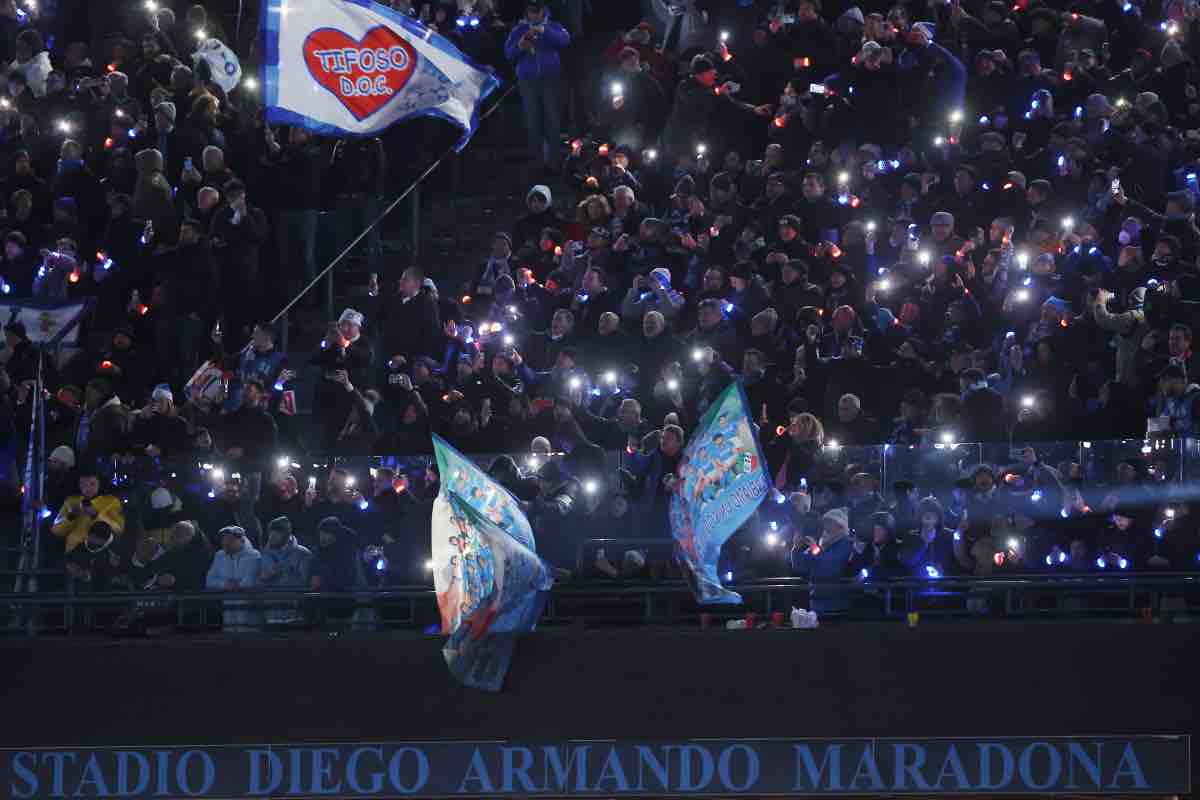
(363, 74)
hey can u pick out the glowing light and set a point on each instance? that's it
(932, 571)
(590, 486)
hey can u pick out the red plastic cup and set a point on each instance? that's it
(777, 619)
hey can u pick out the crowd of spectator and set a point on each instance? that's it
(898, 228)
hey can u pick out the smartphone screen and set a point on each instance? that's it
(816, 88)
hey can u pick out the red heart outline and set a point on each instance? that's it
(376, 39)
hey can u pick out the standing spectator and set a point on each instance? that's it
(410, 321)
(343, 359)
(297, 168)
(285, 565)
(337, 567)
(825, 561)
(249, 440)
(239, 230)
(235, 568)
(533, 45)
(103, 421)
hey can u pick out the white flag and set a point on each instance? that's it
(354, 68)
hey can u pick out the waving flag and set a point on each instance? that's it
(489, 581)
(354, 68)
(721, 481)
(45, 322)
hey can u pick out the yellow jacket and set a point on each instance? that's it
(73, 524)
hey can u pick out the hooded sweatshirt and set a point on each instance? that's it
(289, 563)
(152, 198)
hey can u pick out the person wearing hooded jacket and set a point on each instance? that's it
(336, 566)
(152, 199)
(285, 565)
(527, 232)
(235, 568)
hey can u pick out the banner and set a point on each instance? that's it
(1041, 767)
(354, 68)
(721, 481)
(45, 323)
(490, 583)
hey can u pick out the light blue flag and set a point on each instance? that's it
(721, 480)
(490, 583)
(354, 68)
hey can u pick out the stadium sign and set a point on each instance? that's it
(759, 767)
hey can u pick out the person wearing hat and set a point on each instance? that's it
(534, 46)
(157, 430)
(235, 568)
(60, 477)
(698, 99)
(165, 509)
(499, 264)
(825, 561)
(630, 103)
(793, 291)
(81, 511)
(879, 553)
(101, 426)
(527, 231)
(336, 566)
(285, 565)
(556, 510)
(344, 358)
(1131, 328)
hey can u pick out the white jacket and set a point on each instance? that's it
(35, 70)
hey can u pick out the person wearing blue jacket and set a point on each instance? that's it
(825, 562)
(533, 46)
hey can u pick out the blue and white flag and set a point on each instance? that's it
(46, 323)
(722, 480)
(354, 68)
(490, 583)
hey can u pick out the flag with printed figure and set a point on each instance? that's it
(489, 581)
(354, 68)
(721, 481)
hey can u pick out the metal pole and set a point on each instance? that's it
(416, 221)
(414, 187)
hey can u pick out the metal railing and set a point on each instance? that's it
(1129, 596)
